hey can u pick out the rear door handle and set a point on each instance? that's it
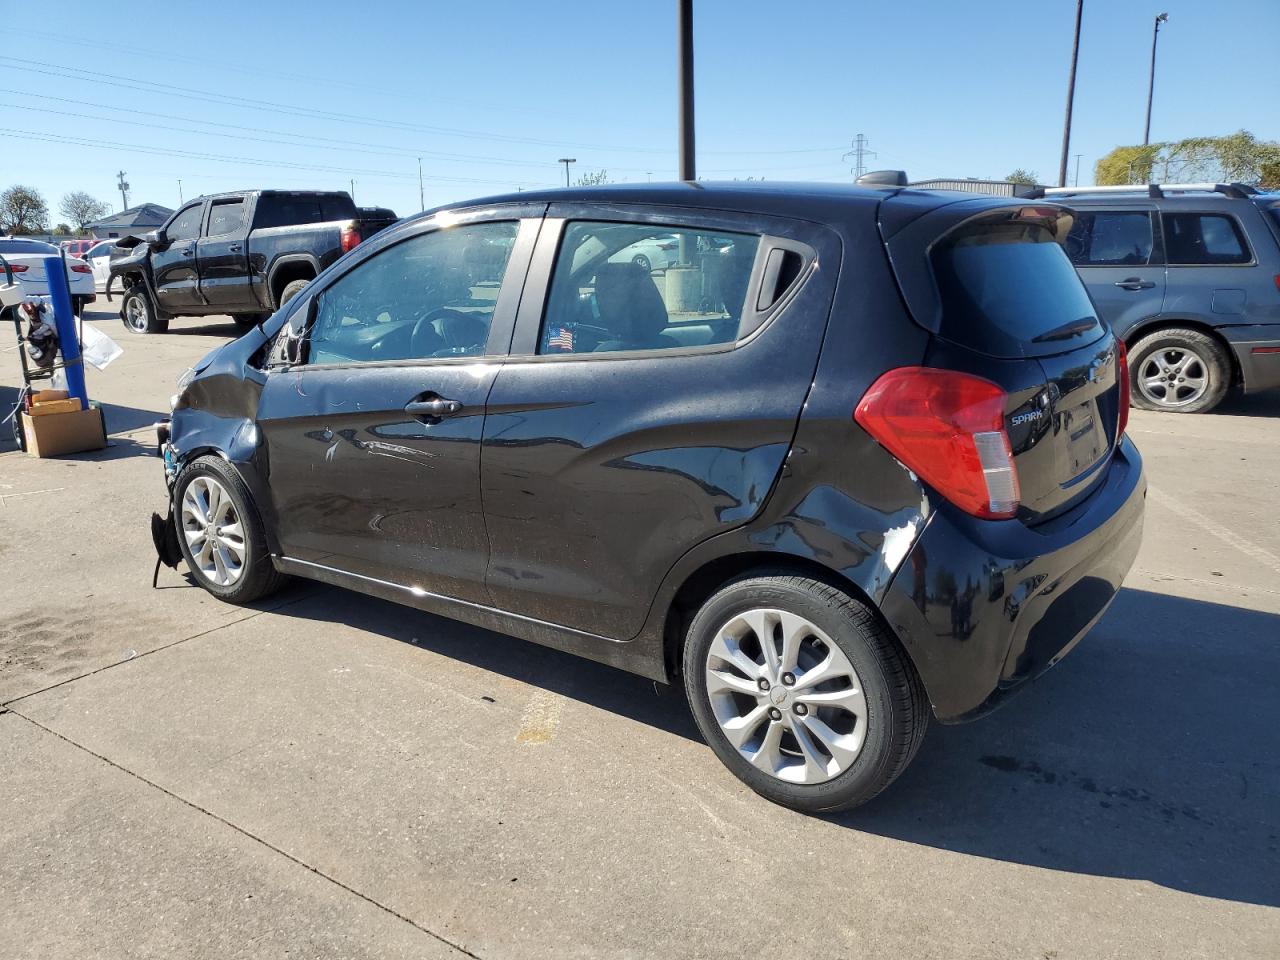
(435, 407)
(1135, 283)
(234, 248)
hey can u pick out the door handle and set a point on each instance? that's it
(187, 251)
(1135, 283)
(435, 407)
(233, 248)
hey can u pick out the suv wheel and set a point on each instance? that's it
(1179, 370)
(802, 692)
(221, 535)
(139, 312)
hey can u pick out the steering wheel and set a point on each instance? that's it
(436, 314)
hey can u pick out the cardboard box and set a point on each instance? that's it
(42, 408)
(40, 396)
(58, 433)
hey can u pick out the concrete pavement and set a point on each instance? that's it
(336, 776)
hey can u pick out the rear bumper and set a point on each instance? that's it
(984, 606)
(1257, 350)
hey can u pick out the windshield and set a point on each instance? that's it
(26, 246)
(1008, 290)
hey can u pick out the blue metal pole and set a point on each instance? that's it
(64, 319)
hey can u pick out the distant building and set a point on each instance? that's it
(999, 188)
(139, 219)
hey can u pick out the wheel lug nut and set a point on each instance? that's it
(801, 709)
(788, 679)
(762, 683)
(775, 713)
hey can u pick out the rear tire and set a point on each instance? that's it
(216, 518)
(291, 290)
(862, 704)
(138, 311)
(1179, 370)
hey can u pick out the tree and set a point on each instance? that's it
(1019, 175)
(82, 209)
(594, 179)
(1238, 156)
(62, 230)
(23, 210)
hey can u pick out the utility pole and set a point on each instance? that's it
(422, 203)
(861, 150)
(180, 200)
(353, 190)
(566, 161)
(1077, 180)
(1151, 84)
(684, 67)
(124, 190)
(1071, 96)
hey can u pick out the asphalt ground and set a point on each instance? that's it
(329, 775)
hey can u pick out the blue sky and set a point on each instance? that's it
(491, 92)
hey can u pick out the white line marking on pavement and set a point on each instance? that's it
(541, 717)
(29, 493)
(1247, 547)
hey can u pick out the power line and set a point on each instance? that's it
(253, 161)
(208, 96)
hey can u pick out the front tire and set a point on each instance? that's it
(640, 260)
(1179, 370)
(291, 290)
(139, 312)
(221, 533)
(802, 692)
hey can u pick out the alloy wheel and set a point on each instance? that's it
(135, 314)
(786, 696)
(214, 533)
(1173, 377)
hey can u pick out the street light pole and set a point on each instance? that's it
(1071, 96)
(1151, 84)
(422, 203)
(684, 28)
(566, 161)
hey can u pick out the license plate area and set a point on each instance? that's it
(1082, 439)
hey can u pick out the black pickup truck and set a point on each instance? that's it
(242, 254)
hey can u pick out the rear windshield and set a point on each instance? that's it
(26, 246)
(1008, 290)
(286, 210)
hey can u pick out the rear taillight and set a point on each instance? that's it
(949, 428)
(1122, 381)
(18, 267)
(81, 268)
(350, 237)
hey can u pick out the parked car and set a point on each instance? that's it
(1189, 276)
(842, 498)
(99, 259)
(651, 253)
(242, 254)
(77, 248)
(26, 261)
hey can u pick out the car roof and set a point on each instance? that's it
(821, 202)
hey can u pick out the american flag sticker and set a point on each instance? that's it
(561, 338)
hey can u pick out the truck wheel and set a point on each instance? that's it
(291, 290)
(802, 692)
(1179, 371)
(139, 312)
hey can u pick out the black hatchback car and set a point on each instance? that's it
(853, 456)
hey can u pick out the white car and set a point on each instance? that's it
(651, 253)
(99, 258)
(26, 262)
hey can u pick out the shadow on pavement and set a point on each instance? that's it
(1149, 753)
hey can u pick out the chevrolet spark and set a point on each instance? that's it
(852, 457)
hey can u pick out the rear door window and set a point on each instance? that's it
(1008, 290)
(225, 216)
(1198, 239)
(286, 210)
(633, 286)
(1110, 238)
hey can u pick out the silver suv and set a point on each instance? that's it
(1189, 276)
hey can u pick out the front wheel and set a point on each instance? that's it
(1179, 371)
(139, 312)
(291, 290)
(221, 534)
(802, 692)
(641, 261)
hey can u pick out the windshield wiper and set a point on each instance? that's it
(1067, 330)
